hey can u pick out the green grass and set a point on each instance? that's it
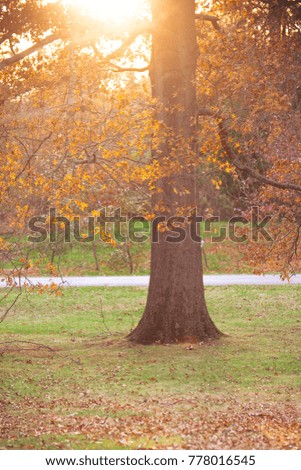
(95, 376)
(79, 258)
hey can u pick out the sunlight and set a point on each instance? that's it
(114, 11)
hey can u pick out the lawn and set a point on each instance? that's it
(100, 258)
(94, 390)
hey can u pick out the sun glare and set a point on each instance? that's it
(114, 11)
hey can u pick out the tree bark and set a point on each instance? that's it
(275, 15)
(176, 310)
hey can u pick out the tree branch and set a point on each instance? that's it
(232, 157)
(27, 163)
(5, 37)
(117, 68)
(36, 346)
(21, 55)
(10, 307)
(295, 245)
(141, 29)
(214, 20)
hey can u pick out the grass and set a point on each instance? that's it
(98, 391)
(103, 259)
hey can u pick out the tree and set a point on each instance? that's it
(176, 308)
(229, 111)
(32, 21)
(251, 118)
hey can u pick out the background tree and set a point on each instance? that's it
(248, 88)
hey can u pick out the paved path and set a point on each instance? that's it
(143, 281)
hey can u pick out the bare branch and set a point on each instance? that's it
(213, 19)
(10, 307)
(295, 245)
(31, 343)
(21, 55)
(141, 29)
(232, 157)
(5, 37)
(11, 47)
(117, 68)
(27, 164)
(208, 112)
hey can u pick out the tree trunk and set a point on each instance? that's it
(176, 310)
(275, 20)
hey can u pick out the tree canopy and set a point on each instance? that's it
(80, 130)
